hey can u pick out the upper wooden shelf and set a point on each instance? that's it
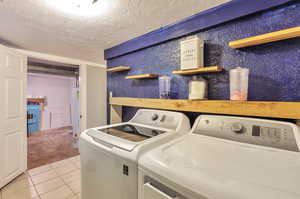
(118, 69)
(142, 76)
(209, 69)
(266, 38)
(290, 110)
(36, 100)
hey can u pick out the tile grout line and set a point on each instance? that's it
(80, 178)
(57, 176)
(38, 195)
(45, 180)
(74, 194)
(28, 178)
(60, 177)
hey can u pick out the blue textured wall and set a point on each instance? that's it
(274, 68)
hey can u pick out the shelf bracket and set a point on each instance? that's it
(115, 114)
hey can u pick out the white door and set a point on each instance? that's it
(92, 96)
(13, 139)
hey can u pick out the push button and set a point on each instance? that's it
(272, 133)
(278, 133)
(264, 131)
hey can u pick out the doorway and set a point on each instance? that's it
(53, 111)
(13, 104)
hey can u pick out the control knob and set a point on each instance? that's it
(154, 117)
(237, 128)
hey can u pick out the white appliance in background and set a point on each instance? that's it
(109, 154)
(192, 53)
(225, 158)
(75, 112)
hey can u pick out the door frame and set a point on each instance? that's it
(82, 77)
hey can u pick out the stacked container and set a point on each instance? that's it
(164, 87)
(239, 83)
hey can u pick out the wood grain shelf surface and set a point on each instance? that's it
(118, 69)
(289, 110)
(209, 69)
(36, 100)
(266, 38)
(142, 76)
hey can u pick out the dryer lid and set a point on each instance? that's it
(222, 169)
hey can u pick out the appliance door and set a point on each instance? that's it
(150, 192)
(105, 175)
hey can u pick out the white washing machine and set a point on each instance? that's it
(225, 158)
(109, 154)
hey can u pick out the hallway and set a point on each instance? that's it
(45, 147)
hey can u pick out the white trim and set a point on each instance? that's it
(47, 75)
(82, 75)
(83, 96)
(58, 58)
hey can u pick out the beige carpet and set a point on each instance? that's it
(45, 147)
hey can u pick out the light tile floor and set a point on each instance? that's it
(59, 180)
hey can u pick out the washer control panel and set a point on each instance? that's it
(164, 119)
(281, 135)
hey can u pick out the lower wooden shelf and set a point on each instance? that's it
(289, 110)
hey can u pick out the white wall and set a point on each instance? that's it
(96, 96)
(57, 90)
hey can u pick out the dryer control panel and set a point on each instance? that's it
(276, 134)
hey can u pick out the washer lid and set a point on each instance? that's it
(222, 169)
(124, 136)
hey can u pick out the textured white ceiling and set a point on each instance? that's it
(37, 25)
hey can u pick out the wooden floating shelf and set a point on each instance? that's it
(142, 76)
(118, 69)
(266, 38)
(36, 100)
(209, 69)
(290, 110)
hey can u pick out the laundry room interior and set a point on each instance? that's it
(135, 99)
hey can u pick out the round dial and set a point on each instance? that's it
(154, 133)
(154, 117)
(237, 128)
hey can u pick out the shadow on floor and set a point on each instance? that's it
(49, 146)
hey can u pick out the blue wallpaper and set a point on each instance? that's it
(274, 68)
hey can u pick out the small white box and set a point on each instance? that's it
(192, 53)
